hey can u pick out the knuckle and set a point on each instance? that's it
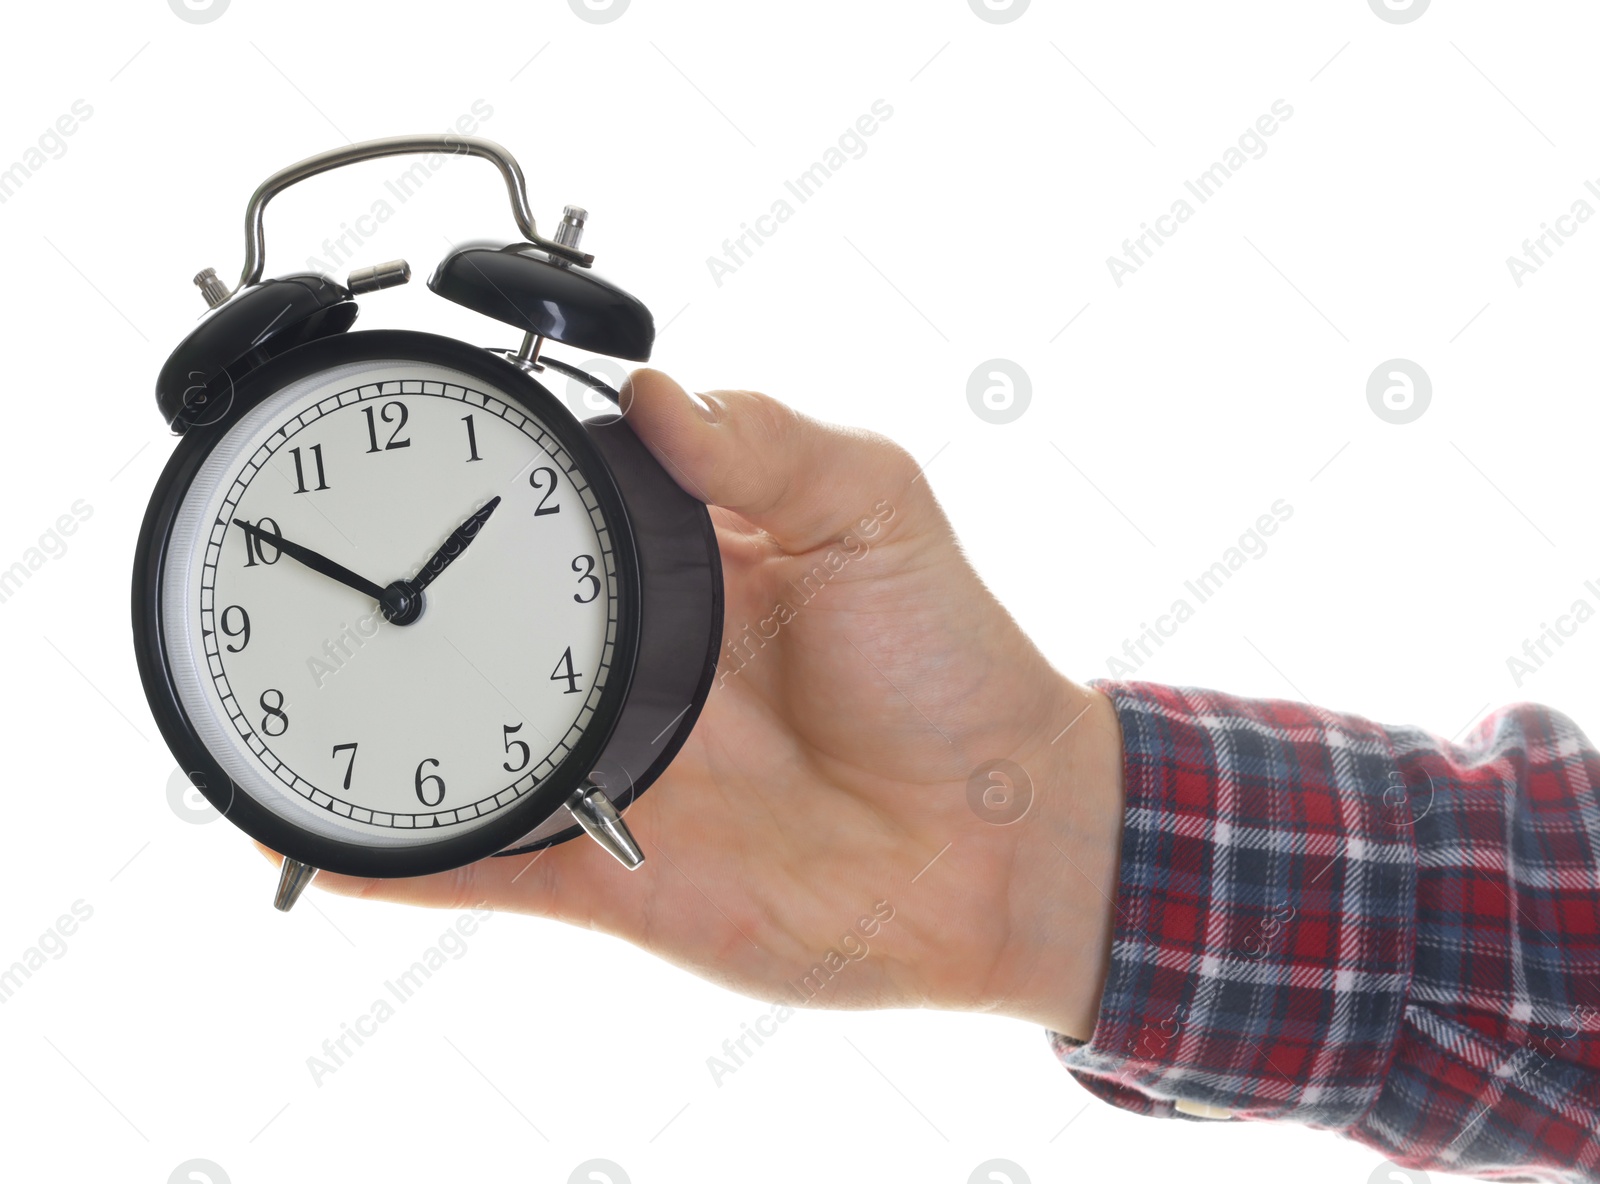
(770, 439)
(898, 463)
(766, 421)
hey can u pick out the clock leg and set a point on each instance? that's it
(600, 819)
(292, 882)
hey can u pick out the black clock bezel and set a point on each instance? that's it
(233, 800)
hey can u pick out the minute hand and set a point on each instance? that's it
(317, 563)
(453, 546)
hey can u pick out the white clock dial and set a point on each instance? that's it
(334, 717)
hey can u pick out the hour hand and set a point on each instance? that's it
(316, 562)
(460, 538)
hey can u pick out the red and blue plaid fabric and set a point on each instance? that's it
(1360, 928)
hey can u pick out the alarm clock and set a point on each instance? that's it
(396, 607)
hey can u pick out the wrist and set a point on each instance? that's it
(1067, 862)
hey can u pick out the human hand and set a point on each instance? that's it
(819, 816)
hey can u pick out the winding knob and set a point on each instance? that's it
(211, 287)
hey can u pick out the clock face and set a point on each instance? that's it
(328, 713)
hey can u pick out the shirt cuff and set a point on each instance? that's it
(1265, 913)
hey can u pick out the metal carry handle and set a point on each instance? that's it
(255, 248)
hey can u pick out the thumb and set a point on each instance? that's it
(803, 481)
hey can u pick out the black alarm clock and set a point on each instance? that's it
(395, 607)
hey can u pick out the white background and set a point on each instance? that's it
(1229, 372)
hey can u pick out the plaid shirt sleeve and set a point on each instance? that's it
(1359, 928)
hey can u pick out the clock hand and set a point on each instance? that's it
(460, 538)
(317, 563)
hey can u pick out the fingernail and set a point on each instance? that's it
(706, 406)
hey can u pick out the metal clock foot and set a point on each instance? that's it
(600, 819)
(292, 882)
